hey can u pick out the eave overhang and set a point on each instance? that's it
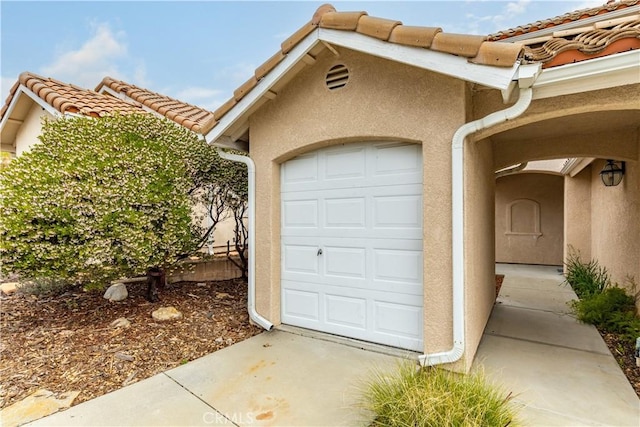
(599, 73)
(499, 78)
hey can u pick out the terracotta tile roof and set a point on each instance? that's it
(563, 19)
(590, 42)
(187, 115)
(600, 34)
(476, 48)
(68, 98)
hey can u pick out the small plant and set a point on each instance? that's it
(585, 278)
(612, 310)
(435, 397)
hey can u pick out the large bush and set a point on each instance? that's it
(104, 198)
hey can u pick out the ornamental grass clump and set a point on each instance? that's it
(414, 397)
(585, 278)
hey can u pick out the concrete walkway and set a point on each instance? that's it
(561, 371)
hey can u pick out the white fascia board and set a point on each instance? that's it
(443, 63)
(599, 73)
(22, 89)
(293, 57)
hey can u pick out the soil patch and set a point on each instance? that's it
(624, 354)
(67, 342)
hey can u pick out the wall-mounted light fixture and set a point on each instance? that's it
(612, 173)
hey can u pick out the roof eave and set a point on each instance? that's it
(262, 88)
(458, 67)
(599, 73)
(442, 63)
(22, 89)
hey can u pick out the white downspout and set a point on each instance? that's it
(251, 175)
(457, 206)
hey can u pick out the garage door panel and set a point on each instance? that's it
(346, 311)
(398, 265)
(345, 163)
(398, 319)
(347, 212)
(345, 262)
(300, 214)
(300, 259)
(303, 304)
(352, 243)
(397, 159)
(398, 211)
(301, 170)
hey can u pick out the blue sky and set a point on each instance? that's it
(199, 52)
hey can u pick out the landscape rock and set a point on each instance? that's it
(35, 406)
(166, 313)
(117, 292)
(121, 322)
(9, 287)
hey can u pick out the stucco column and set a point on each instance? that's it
(577, 213)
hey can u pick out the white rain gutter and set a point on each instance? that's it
(251, 175)
(457, 207)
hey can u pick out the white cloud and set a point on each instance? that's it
(104, 53)
(498, 21)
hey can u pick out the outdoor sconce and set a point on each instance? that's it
(612, 173)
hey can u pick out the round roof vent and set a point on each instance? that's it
(337, 77)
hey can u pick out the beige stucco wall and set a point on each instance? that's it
(529, 219)
(479, 247)
(577, 211)
(30, 129)
(602, 124)
(400, 103)
(615, 223)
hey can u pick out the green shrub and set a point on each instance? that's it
(435, 397)
(100, 199)
(585, 278)
(612, 310)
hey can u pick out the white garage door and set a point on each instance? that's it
(352, 242)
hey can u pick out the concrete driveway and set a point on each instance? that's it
(273, 379)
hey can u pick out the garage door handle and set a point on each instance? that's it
(319, 252)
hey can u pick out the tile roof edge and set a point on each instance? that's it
(569, 19)
(389, 31)
(170, 114)
(57, 102)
